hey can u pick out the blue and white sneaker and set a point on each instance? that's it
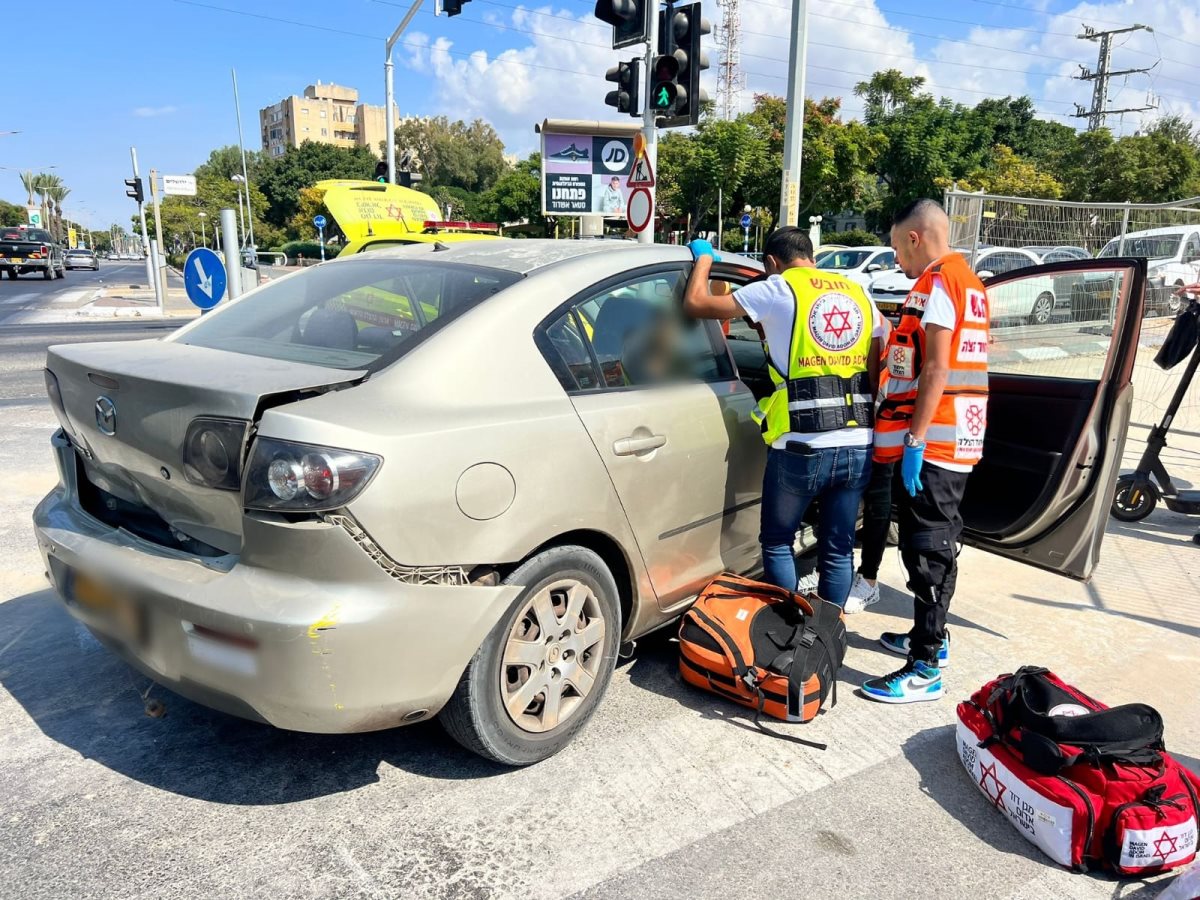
(912, 684)
(898, 644)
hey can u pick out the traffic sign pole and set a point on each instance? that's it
(320, 222)
(150, 279)
(229, 243)
(649, 123)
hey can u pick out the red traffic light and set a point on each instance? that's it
(665, 68)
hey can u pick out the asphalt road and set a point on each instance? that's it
(34, 293)
(668, 793)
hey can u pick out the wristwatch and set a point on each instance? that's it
(910, 441)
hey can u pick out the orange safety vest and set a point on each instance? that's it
(955, 435)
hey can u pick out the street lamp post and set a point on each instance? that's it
(389, 92)
(239, 181)
(203, 234)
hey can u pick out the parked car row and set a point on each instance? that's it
(1173, 256)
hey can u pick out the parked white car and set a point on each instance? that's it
(1174, 260)
(861, 264)
(1033, 304)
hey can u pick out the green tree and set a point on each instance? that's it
(11, 213)
(460, 203)
(453, 154)
(225, 162)
(1008, 174)
(517, 194)
(886, 91)
(282, 178)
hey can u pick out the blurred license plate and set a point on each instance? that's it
(888, 308)
(17, 260)
(114, 610)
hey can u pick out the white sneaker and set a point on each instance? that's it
(808, 583)
(862, 595)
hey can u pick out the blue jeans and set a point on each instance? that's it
(837, 476)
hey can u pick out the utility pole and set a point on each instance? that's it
(1103, 74)
(649, 117)
(245, 174)
(793, 137)
(160, 262)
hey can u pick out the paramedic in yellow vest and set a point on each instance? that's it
(932, 421)
(824, 337)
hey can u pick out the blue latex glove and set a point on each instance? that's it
(701, 247)
(910, 469)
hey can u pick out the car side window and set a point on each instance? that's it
(638, 336)
(1192, 252)
(564, 345)
(886, 260)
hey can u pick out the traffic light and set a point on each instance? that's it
(628, 77)
(679, 39)
(405, 176)
(381, 171)
(453, 7)
(409, 179)
(663, 87)
(135, 189)
(629, 19)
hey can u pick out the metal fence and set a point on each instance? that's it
(980, 220)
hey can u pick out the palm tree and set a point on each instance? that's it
(42, 184)
(58, 193)
(28, 180)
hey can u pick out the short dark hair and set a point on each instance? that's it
(916, 208)
(788, 243)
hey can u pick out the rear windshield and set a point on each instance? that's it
(79, 253)
(353, 314)
(1156, 247)
(27, 234)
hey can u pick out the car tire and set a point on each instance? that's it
(48, 274)
(1043, 310)
(555, 580)
(1175, 302)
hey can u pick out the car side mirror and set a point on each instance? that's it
(985, 274)
(874, 267)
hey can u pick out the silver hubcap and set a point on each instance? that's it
(552, 656)
(1042, 310)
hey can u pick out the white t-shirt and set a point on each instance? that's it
(939, 310)
(772, 304)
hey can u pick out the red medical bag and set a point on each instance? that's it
(1089, 785)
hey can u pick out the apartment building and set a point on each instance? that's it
(327, 113)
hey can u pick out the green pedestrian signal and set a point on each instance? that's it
(663, 98)
(665, 91)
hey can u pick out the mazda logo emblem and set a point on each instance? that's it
(106, 415)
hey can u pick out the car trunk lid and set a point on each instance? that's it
(151, 392)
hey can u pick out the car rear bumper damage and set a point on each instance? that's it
(309, 628)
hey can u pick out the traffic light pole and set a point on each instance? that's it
(389, 91)
(649, 124)
(793, 135)
(150, 279)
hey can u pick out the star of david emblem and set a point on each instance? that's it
(1164, 841)
(837, 330)
(998, 796)
(393, 212)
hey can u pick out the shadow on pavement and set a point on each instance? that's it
(1190, 630)
(83, 697)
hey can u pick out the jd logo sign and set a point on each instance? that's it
(615, 156)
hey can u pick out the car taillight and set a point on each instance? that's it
(56, 400)
(212, 452)
(284, 476)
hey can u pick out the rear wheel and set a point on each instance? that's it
(1133, 501)
(48, 273)
(1175, 300)
(541, 671)
(1043, 310)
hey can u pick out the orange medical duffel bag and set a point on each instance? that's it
(764, 647)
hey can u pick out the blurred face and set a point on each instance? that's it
(907, 244)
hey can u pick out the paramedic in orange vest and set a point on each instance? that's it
(931, 420)
(824, 339)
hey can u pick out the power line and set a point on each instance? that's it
(1099, 110)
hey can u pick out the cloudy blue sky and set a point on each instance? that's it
(156, 75)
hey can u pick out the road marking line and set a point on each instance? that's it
(1042, 353)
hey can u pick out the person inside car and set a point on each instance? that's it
(823, 339)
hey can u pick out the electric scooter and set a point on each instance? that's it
(1139, 492)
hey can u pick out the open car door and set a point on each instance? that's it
(1057, 414)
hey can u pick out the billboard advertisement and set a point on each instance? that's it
(584, 175)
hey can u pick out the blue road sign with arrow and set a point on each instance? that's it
(319, 221)
(746, 220)
(204, 278)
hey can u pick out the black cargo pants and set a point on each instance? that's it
(930, 525)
